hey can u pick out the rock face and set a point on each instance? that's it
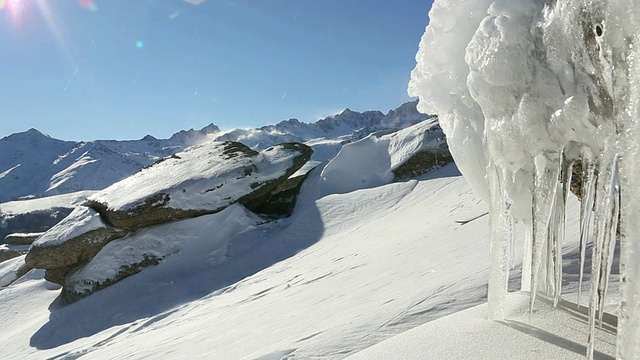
(203, 180)
(281, 200)
(7, 253)
(75, 240)
(77, 287)
(421, 163)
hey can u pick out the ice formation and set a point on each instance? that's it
(524, 89)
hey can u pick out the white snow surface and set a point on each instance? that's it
(468, 334)
(338, 276)
(9, 269)
(201, 178)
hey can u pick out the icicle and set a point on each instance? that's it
(603, 213)
(544, 194)
(525, 284)
(549, 259)
(501, 238)
(587, 198)
(564, 188)
(609, 240)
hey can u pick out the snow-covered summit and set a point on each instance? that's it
(194, 137)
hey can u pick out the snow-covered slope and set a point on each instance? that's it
(342, 274)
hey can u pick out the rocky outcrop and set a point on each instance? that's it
(281, 201)
(421, 163)
(7, 253)
(203, 180)
(75, 240)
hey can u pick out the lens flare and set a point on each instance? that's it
(139, 44)
(14, 7)
(88, 4)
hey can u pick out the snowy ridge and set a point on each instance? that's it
(208, 177)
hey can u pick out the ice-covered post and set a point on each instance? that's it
(628, 109)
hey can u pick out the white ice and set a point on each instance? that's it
(524, 89)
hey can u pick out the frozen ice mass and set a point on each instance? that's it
(527, 90)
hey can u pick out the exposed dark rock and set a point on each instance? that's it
(73, 251)
(150, 212)
(421, 163)
(576, 179)
(75, 240)
(281, 200)
(7, 253)
(57, 275)
(257, 201)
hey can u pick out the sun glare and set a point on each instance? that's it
(13, 7)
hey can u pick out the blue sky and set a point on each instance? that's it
(121, 69)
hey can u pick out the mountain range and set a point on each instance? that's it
(33, 165)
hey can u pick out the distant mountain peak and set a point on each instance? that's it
(210, 129)
(33, 133)
(192, 136)
(149, 138)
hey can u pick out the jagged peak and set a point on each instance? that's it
(149, 138)
(191, 135)
(210, 129)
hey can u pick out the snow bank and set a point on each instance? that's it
(71, 200)
(370, 162)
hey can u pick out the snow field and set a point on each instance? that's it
(343, 273)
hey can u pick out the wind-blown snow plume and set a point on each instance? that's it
(524, 89)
